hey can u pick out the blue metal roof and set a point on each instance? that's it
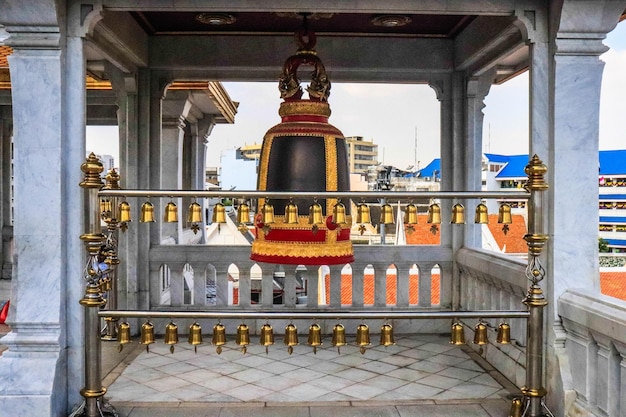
(493, 157)
(514, 167)
(612, 219)
(428, 170)
(612, 197)
(613, 162)
(616, 242)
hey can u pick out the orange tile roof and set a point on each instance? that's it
(369, 289)
(5, 51)
(613, 284)
(513, 241)
(421, 234)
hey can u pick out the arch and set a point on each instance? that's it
(436, 276)
(391, 285)
(188, 284)
(414, 275)
(164, 285)
(210, 285)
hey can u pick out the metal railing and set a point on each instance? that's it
(533, 390)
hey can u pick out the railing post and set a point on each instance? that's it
(93, 392)
(535, 300)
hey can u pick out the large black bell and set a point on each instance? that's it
(303, 153)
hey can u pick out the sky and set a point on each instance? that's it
(404, 119)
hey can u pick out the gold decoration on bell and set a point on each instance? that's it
(386, 214)
(386, 335)
(147, 213)
(171, 213)
(195, 335)
(315, 336)
(123, 334)
(480, 334)
(267, 336)
(171, 335)
(219, 337)
(243, 337)
(362, 337)
(339, 336)
(504, 217)
(482, 214)
(147, 335)
(291, 337)
(458, 214)
(457, 334)
(504, 334)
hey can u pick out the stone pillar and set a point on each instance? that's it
(170, 167)
(48, 93)
(6, 215)
(125, 87)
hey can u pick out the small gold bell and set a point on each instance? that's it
(291, 213)
(219, 337)
(171, 335)
(339, 213)
(123, 334)
(267, 212)
(315, 336)
(291, 337)
(124, 210)
(480, 334)
(243, 214)
(386, 214)
(504, 217)
(219, 213)
(458, 335)
(339, 336)
(147, 335)
(363, 214)
(267, 336)
(458, 214)
(195, 213)
(362, 336)
(516, 407)
(386, 335)
(195, 336)
(147, 213)
(410, 214)
(316, 215)
(482, 215)
(504, 334)
(243, 337)
(434, 214)
(171, 213)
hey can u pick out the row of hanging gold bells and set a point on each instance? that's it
(266, 337)
(480, 334)
(316, 215)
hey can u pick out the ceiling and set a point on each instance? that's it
(327, 24)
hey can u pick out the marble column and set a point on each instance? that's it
(48, 92)
(6, 221)
(170, 167)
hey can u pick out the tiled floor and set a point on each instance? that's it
(422, 369)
